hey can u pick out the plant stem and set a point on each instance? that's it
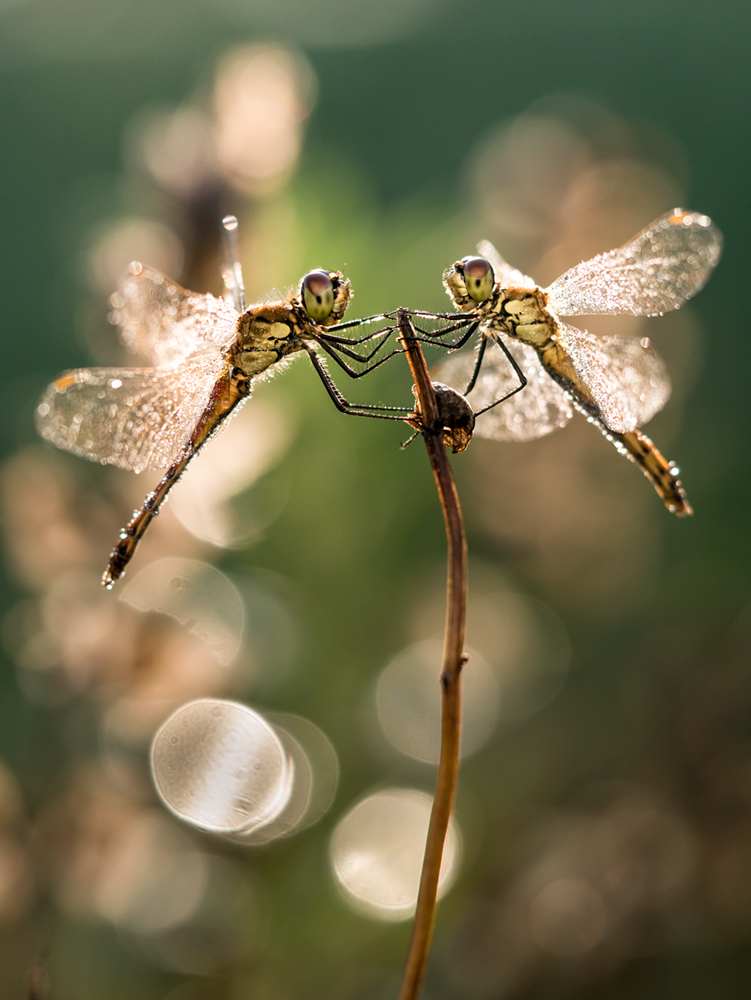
(427, 421)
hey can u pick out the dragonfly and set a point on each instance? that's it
(617, 383)
(207, 353)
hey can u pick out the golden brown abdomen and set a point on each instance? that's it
(633, 444)
(656, 468)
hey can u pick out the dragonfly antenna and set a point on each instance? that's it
(232, 273)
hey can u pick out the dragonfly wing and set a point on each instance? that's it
(505, 274)
(655, 272)
(626, 377)
(166, 323)
(135, 418)
(538, 409)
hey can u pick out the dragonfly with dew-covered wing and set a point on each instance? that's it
(618, 383)
(208, 354)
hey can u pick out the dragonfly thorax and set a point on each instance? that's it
(266, 334)
(520, 312)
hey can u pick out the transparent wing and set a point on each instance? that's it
(166, 323)
(538, 409)
(135, 418)
(505, 274)
(627, 378)
(658, 270)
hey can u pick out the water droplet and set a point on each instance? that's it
(229, 222)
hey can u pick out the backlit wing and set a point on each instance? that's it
(657, 271)
(541, 407)
(626, 377)
(135, 418)
(166, 323)
(506, 275)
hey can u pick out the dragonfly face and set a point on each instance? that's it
(324, 296)
(618, 383)
(205, 357)
(469, 282)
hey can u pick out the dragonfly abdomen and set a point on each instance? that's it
(557, 363)
(633, 444)
(659, 471)
(230, 391)
(662, 474)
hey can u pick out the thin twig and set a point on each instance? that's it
(428, 423)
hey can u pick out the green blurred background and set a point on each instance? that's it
(606, 819)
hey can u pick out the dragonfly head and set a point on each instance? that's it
(324, 295)
(469, 282)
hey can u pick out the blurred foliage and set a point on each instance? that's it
(607, 824)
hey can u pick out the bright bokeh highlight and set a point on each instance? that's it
(198, 595)
(377, 851)
(219, 766)
(408, 699)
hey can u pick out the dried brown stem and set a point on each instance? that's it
(428, 423)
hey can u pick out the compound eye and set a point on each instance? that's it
(478, 277)
(317, 294)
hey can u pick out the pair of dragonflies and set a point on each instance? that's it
(208, 352)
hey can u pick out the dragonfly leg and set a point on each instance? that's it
(227, 393)
(358, 322)
(469, 317)
(478, 364)
(343, 346)
(519, 374)
(355, 409)
(332, 353)
(435, 341)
